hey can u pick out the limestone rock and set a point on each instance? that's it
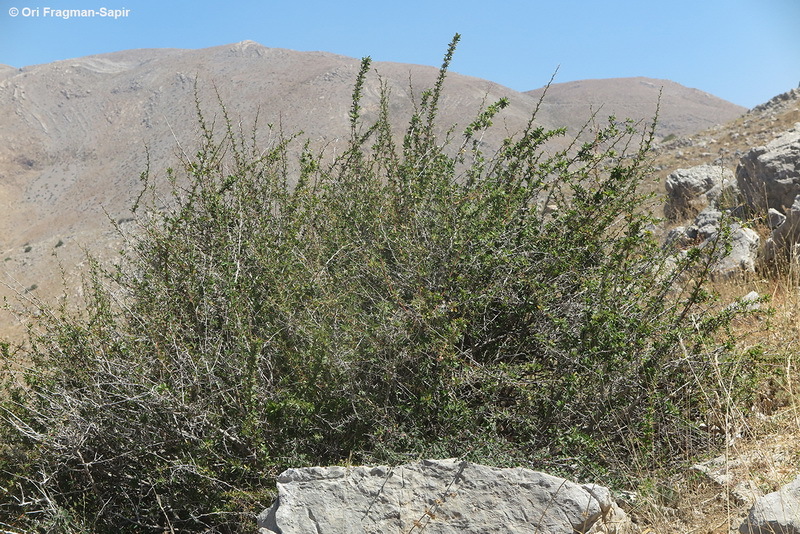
(680, 237)
(775, 513)
(750, 302)
(707, 223)
(438, 497)
(704, 231)
(720, 470)
(769, 176)
(787, 234)
(775, 218)
(742, 256)
(690, 190)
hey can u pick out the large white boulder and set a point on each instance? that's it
(438, 497)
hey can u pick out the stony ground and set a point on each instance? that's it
(763, 446)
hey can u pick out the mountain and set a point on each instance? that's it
(74, 132)
(681, 110)
(75, 135)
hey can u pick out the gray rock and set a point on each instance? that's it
(744, 245)
(707, 223)
(742, 256)
(705, 229)
(438, 497)
(785, 236)
(775, 513)
(778, 102)
(690, 190)
(750, 302)
(745, 492)
(679, 238)
(775, 218)
(719, 470)
(725, 194)
(769, 176)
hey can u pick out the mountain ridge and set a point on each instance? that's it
(681, 110)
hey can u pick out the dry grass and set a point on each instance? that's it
(763, 447)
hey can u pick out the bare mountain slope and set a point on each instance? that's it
(73, 133)
(683, 111)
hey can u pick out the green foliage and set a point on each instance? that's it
(402, 300)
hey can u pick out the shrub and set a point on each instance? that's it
(402, 300)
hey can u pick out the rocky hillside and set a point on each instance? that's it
(725, 143)
(758, 152)
(75, 134)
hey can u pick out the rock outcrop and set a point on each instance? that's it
(691, 190)
(742, 256)
(769, 176)
(704, 232)
(767, 184)
(438, 497)
(769, 180)
(775, 513)
(786, 233)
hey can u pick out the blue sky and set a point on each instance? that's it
(745, 51)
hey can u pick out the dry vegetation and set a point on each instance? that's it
(762, 449)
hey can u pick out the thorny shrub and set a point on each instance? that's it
(403, 300)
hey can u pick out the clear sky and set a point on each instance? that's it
(745, 51)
